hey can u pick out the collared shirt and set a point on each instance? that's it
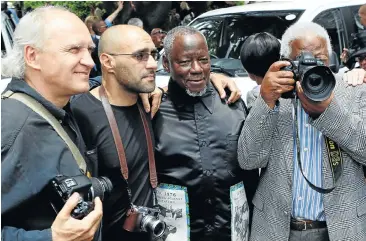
(32, 153)
(306, 202)
(196, 147)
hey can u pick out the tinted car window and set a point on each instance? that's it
(332, 21)
(211, 28)
(228, 32)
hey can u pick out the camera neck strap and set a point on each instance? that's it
(45, 114)
(334, 157)
(119, 145)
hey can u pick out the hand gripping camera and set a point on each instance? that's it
(316, 79)
(144, 219)
(62, 187)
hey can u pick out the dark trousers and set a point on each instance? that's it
(320, 234)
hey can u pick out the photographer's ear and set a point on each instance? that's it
(107, 62)
(32, 57)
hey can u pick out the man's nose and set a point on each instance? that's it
(152, 63)
(196, 67)
(87, 60)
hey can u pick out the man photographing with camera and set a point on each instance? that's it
(37, 129)
(311, 146)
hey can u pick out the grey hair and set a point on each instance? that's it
(136, 22)
(175, 32)
(30, 31)
(299, 31)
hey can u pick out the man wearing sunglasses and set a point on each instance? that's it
(157, 36)
(128, 59)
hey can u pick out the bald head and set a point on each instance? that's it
(119, 38)
(63, 21)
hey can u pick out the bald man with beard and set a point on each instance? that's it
(128, 62)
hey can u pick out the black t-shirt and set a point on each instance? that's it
(95, 129)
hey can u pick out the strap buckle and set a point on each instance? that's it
(305, 226)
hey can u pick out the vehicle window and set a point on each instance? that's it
(211, 28)
(331, 20)
(226, 33)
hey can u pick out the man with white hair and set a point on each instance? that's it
(304, 194)
(47, 67)
(196, 135)
(136, 22)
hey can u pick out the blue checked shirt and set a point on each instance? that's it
(306, 202)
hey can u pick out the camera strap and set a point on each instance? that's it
(334, 157)
(119, 145)
(45, 114)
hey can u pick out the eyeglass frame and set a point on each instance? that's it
(145, 55)
(159, 32)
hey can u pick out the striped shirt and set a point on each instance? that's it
(306, 202)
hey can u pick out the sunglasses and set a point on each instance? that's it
(159, 32)
(141, 56)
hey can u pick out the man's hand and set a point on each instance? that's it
(355, 77)
(276, 82)
(221, 82)
(314, 109)
(344, 55)
(155, 97)
(67, 228)
(133, 7)
(120, 5)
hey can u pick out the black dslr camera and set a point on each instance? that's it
(316, 79)
(61, 188)
(144, 219)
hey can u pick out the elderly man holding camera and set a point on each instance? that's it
(37, 129)
(312, 146)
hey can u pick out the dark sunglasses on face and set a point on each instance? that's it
(159, 32)
(142, 56)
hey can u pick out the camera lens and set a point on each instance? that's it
(315, 80)
(318, 83)
(153, 225)
(101, 187)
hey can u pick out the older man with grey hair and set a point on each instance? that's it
(196, 136)
(313, 188)
(136, 22)
(47, 67)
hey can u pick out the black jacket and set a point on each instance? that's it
(32, 154)
(196, 147)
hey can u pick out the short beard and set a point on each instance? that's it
(196, 94)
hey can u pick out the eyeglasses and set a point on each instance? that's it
(159, 32)
(142, 56)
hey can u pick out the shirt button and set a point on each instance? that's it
(285, 212)
(306, 125)
(305, 149)
(299, 198)
(207, 172)
(208, 201)
(209, 227)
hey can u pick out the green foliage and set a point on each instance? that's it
(80, 8)
(239, 3)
